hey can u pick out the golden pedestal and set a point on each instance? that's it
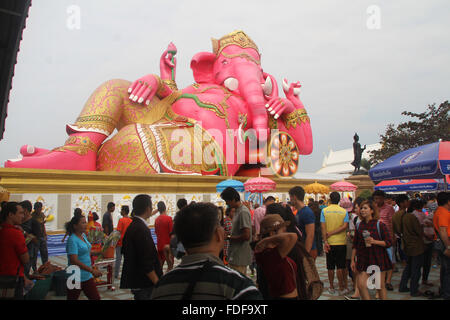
(63, 186)
(69, 181)
(363, 182)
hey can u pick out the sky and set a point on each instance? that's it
(361, 63)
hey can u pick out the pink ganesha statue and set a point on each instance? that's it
(231, 116)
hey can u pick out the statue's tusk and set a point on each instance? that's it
(285, 85)
(267, 86)
(240, 131)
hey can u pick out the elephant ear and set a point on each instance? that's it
(202, 64)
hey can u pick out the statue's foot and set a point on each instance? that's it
(60, 160)
(79, 153)
(28, 151)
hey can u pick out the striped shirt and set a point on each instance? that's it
(216, 283)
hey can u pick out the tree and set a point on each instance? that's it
(365, 164)
(429, 127)
(365, 194)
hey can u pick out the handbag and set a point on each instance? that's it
(8, 286)
(438, 244)
(309, 285)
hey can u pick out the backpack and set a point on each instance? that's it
(309, 285)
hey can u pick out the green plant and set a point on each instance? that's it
(95, 236)
(365, 194)
(109, 241)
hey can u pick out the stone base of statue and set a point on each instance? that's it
(360, 172)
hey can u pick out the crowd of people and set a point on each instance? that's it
(223, 248)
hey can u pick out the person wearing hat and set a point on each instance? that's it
(271, 254)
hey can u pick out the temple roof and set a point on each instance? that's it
(13, 14)
(320, 176)
(339, 162)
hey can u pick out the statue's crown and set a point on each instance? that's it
(238, 38)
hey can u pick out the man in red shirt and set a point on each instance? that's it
(122, 226)
(13, 250)
(163, 229)
(386, 214)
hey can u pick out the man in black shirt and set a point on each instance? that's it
(141, 268)
(107, 221)
(32, 231)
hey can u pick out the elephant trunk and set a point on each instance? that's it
(252, 93)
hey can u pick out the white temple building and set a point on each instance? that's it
(339, 162)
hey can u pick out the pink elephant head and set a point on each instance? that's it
(235, 64)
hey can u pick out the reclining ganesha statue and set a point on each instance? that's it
(231, 116)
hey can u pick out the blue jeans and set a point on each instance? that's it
(412, 271)
(118, 261)
(445, 276)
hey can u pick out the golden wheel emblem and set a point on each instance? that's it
(283, 155)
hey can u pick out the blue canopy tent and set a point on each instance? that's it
(237, 185)
(404, 185)
(431, 161)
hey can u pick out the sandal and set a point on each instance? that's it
(389, 287)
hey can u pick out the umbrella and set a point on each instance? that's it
(316, 188)
(343, 186)
(412, 185)
(431, 161)
(259, 184)
(237, 185)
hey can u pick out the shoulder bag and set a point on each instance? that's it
(195, 278)
(8, 286)
(388, 250)
(438, 244)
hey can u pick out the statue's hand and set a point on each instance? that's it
(278, 106)
(143, 89)
(292, 91)
(168, 63)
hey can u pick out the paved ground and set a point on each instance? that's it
(119, 294)
(391, 295)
